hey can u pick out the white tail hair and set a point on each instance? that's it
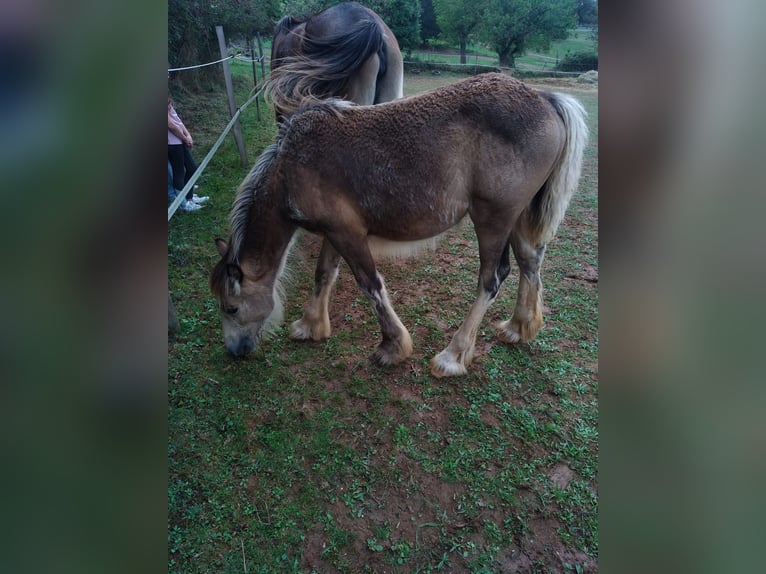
(551, 202)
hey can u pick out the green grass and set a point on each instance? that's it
(307, 458)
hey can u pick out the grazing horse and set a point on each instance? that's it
(345, 51)
(391, 178)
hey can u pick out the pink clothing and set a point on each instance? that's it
(173, 139)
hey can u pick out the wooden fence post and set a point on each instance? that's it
(237, 130)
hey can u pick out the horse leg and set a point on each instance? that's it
(494, 267)
(391, 85)
(361, 86)
(397, 343)
(315, 323)
(527, 317)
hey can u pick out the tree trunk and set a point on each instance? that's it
(505, 58)
(463, 43)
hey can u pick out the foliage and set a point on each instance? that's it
(302, 9)
(579, 62)
(192, 38)
(403, 17)
(458, 19)
(429, 29)
(512, 26)
(587, 13)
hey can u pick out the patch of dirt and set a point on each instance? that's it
(588, 274)
(560, 476)
(542, 543)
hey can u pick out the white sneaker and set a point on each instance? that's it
(189, 205)
(199, 200)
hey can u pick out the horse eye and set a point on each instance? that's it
(231, 310)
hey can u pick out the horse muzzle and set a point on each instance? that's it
(241, 347)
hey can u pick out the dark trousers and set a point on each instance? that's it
(183, 165)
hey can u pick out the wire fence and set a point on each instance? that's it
(235, 112)
(181, 197)
(201, 65)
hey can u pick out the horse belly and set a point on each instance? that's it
(385, 248)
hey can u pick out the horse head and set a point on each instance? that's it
(246, 304)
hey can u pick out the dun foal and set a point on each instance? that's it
(391, 178)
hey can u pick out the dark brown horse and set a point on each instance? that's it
(345, 51)
(391, 178)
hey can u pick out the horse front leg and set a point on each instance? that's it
(397, 342)
(315, 323)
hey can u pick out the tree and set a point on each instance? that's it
(403, 17)
(191, 31)
(302, 9)
(458, 19)
(428, 27)
(512, 26)
(587, 13)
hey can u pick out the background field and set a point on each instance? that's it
(579, 40)
(307, 458)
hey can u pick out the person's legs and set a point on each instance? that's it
(190, 166)
(171, 190)
(176, 159)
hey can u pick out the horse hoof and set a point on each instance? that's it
(516, 331)
(389, 353)
(445, 365)
(302, 330)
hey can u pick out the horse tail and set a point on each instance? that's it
(324, 67)
(549, 205)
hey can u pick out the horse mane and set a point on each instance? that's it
(239, 218)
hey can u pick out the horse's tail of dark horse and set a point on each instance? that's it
(549, 205)
(325, 65)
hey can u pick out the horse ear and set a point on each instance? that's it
(222, 246)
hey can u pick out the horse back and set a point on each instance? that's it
(419, 163)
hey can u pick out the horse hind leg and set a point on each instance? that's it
(361, 86)
(315, 323)
(527, 317)
(494, 269)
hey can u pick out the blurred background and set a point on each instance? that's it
(83, 299)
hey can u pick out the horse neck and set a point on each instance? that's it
(266, 244)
